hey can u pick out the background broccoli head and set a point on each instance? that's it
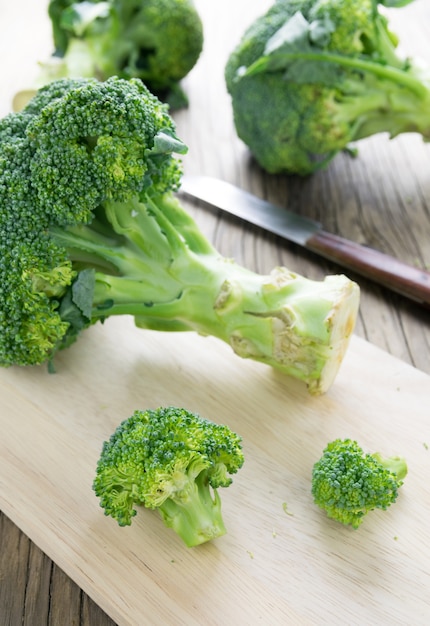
(172, 460)
(311, 76)
(158, 41)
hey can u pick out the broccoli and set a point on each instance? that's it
(311, 76)
(91, 227)
(172, 460)
(158, 41)
(347, 484)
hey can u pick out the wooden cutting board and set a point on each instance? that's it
(282, 561)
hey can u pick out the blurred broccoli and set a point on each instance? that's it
(158, 41)
(311, 76)
(347, 483)
(172, 460)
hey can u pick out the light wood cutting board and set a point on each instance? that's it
(274, 566)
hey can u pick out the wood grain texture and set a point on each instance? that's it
(380, 199)
(271, 565)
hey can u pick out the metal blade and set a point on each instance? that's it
(222, 195)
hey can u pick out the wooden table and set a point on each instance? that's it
(381, 199)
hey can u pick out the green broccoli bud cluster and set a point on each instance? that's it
(172, 460)
(347, 483)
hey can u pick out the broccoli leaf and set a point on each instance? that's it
(83, 292)
(80, 15)
(293, 36)
(294, 46)
(76, 306)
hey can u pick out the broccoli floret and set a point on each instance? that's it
(311, 76)
(172, 460)
(91, 227)
(347, 483)
(158, 41)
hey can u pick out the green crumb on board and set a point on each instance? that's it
(426, 445)
(285, 509)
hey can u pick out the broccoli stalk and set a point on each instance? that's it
(158, 41)
(330, 74)
(347, 484)
(195, 514)
(172, 460)
(175, 280)
(89, 205)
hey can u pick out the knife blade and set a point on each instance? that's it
(383, 269)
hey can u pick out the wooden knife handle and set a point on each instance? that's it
(405, 279)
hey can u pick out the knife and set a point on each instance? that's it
(407, 280)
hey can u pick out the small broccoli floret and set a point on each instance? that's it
(311, 76)
(172, 460)
(347, 483)
(91, 227)
(157, 41)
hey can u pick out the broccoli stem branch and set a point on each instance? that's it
(169, 277)
(286, 321)
(194, 514)
(394, 464)
(380, 99)
(397, 75)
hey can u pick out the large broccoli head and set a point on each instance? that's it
(311, 76)
(347, 483)
(158, 41)
(90, 228)
(78, 143)
(172, 460)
